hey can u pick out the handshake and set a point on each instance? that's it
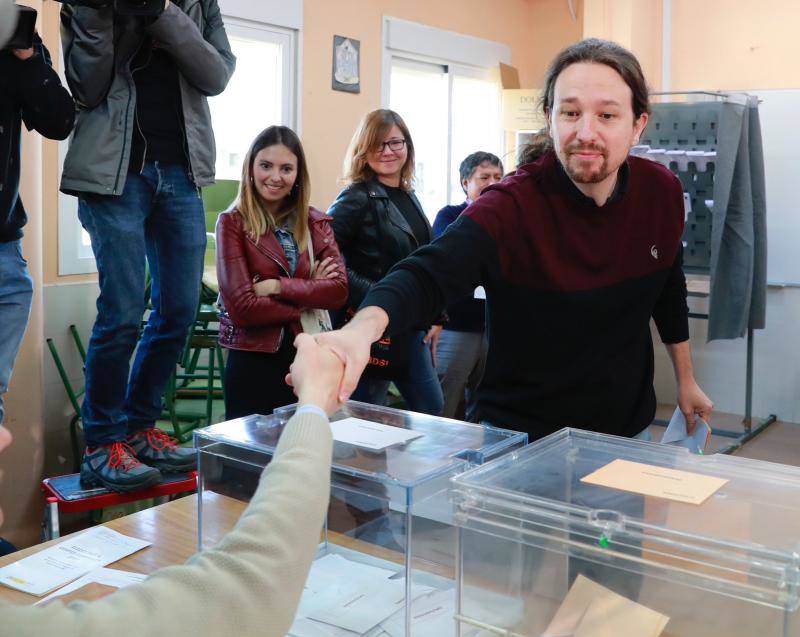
(328, 366)
(316, 374)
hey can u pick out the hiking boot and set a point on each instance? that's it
(157, 449)
(115, 467)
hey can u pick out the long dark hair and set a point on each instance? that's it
(605, 52)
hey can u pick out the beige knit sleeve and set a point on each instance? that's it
(249, 584)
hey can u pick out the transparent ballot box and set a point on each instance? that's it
(388, 534)
(586, 534)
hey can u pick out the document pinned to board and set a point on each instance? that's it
(659, 482)
(371, 435)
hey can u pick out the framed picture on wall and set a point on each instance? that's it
(346, 64)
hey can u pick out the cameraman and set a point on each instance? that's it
(30, 91)
(143, 147)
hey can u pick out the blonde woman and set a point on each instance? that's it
(266, 276)
(378, 221)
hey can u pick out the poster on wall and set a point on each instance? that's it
(346, 60)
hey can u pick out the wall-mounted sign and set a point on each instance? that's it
(521, 109)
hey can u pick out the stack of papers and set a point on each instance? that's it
(591, 610)
(47, 570)
(344, 598)
(106, 576)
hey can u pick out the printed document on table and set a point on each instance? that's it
(106, 576)
(47, 570)
(370, 435)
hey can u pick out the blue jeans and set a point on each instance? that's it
(160, 217)
(422, 392)
(16, 290)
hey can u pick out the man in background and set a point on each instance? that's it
(143, 148)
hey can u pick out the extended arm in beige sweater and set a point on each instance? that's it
(249, 584)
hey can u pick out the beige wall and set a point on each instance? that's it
(718, 44)
(533, 30)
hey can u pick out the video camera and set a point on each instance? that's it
(26, 27)
(146, 8)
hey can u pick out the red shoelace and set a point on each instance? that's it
(121, 456)
(159, 440)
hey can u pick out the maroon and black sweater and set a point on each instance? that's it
(571, 288)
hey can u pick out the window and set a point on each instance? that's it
(259, 94)
(447, 89)
(427, 120)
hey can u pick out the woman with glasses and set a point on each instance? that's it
(378, 221)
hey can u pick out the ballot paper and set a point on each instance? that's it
(47, 570)
(106, 576)
(431, 616)
(345, 598)
(677, 434)
(591, 610)
(370, 435)
(659, 482)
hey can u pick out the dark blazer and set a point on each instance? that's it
(256, 323)
(370, 252)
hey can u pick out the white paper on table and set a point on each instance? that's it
(42, 572)
(332, 573)
(107, 576)
(676, 433)
(361, 609)
(431, 616)
(479, 293)
(370, 435)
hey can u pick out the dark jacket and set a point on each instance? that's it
(256, 323)
(469, 314)
(369, 258)
(98, 49)
(570, 288)
(30, 91)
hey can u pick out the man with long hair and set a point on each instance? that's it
(577, 252)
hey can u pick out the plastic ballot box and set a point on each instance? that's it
(586, 534)
(388, 535)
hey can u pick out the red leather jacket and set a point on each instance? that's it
(256, 323)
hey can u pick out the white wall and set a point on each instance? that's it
(720, 366)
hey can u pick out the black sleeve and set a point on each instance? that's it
(417, 289)
(347, 214)
(46, 106)
(671, 312)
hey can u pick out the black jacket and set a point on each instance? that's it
(370, 252)
(31, 91)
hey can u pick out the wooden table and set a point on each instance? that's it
(171, 527)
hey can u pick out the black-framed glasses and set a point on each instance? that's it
(393, 144)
